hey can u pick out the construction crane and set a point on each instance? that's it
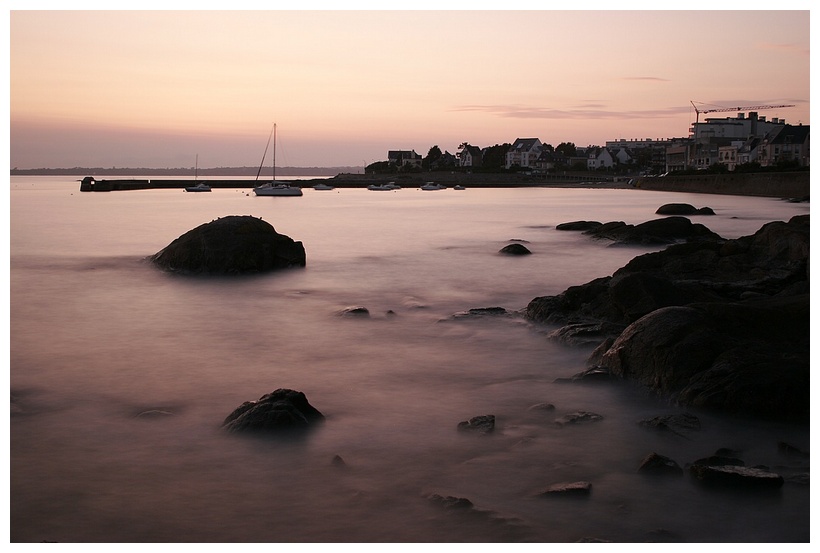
(740, 108)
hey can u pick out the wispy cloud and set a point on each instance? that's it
(785, 47)
(655, 79)
(588, 111)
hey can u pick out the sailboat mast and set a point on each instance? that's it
(274, 152)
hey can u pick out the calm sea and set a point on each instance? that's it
(98, 337)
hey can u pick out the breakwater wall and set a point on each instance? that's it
(90, 184)
(775, 185)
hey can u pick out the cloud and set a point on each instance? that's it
(585, 112)
(787, 47)
(656, 79)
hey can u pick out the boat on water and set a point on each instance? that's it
(389, 186)
(432, 186)
(201, 187)
(459, 187)
(323, 186)
(274, 188)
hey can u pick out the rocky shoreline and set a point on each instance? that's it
(707, 322)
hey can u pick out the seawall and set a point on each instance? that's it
(776, 185)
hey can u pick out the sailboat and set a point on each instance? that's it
(201, 187)
(274, 188)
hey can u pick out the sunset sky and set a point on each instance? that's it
(157, 88)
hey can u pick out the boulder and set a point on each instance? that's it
(515, 249)
(280, 410)
(580, 488)
(579, 225)
(579, 417)
(676, 424)
(683, 209)
(354, 311)
(483, 424)
(749, 358)
(736, 477)
(659, 465)
(237, 244)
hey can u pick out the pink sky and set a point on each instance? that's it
(157, 88)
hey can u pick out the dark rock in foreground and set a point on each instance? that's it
(236, 244)
(280, 410)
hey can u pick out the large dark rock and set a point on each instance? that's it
(745, 358)
(280, 410)
(714, 323)
(236, 244)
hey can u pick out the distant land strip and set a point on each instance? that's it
(181, 171)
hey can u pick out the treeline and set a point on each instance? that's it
(177, 171)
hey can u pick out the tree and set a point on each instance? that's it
(433, 155)
(495, 157)
(567, 149)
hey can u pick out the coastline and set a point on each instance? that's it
(777, 185)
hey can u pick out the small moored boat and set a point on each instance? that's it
(274, 188)
(201, 187)
(432, 186)
(389, 186)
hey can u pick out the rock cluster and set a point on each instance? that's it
(667, 230)
(237, 244)
(714, 323)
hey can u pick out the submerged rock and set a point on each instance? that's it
(580, 488)
(677, 423)
(736, 477)
(483, 424)
(579, 417)
(579, 225)
(515, 249)
(683, 209)
(451, 502)
(355, 311)
(660, 465)
(282, 409)
(237, 244)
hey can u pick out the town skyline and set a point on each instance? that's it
(352, 85)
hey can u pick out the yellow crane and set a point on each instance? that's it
(739, 108)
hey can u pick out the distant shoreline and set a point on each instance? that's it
(183, 171)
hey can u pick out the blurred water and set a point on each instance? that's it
(98, 336)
